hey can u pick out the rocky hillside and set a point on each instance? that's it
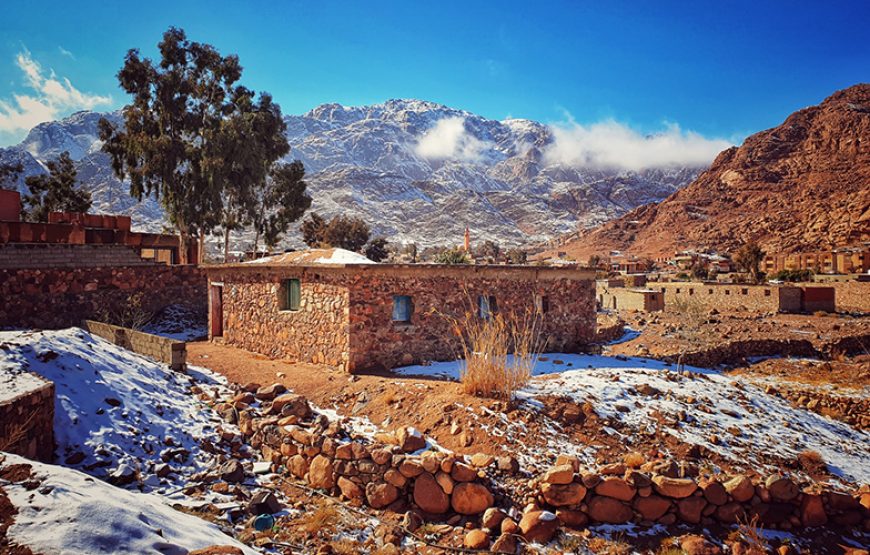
(800, 186)
(418, 171)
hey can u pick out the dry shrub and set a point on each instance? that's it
(749, 533)
(486, 346)
(604, 546)
(345, 546)
(17, 433)
(131, 313)
(324, 518)
(811, 461)
(633, 460)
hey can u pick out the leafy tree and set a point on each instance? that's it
(280, 200)
(343, 232)
(313, 229)
(55, 191)
(452, 256)
(376, 250)
(793, 275)
(699, 270)
(748, 257)
(594, 261)
(517, 256)
(489, 250)
(172, 129)
(411, 250)
(10, 172)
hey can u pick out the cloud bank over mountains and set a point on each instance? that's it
(50, 97)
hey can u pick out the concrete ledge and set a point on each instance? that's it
(162, 349)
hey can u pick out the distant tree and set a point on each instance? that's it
(9, 173)
(748, 257)
(452, 256)
(376, 250)
(489, 250)
(279, 200)
(55, 191)
(793, 275)
(594, 261)
(313, 229)
(343, 232)
(171, 142)
(517, 256)
(411, 250)
(699, 270)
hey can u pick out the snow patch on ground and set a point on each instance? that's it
(746, 421)
(119, 410)
(16, 381)
(72, 513)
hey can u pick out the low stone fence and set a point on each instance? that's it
(162, 349)
(736, 351)
(27, 423)
(609, 328)
(395, 472)
(617, 495)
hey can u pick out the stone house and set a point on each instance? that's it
(613, 294)
(324, 308)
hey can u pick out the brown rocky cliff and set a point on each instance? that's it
(801, 186)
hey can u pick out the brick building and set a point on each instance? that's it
(358, 316)
(69, 228)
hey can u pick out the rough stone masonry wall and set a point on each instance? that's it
(253, 319)
(378, 342)
(57, 297)
(852, 296)
(162, 349)
(731, 296)
(27, 424)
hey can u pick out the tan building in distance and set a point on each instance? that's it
(837, 261)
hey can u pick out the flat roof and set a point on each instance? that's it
(451, 270)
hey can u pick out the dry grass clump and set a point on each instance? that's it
(498, 352)
(345, 546)
(812, 461)
(324, 518)
(634, 459)
(604, 546)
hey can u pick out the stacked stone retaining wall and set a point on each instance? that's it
(162, 349)
(27, 423)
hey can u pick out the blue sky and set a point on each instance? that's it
(723, 69)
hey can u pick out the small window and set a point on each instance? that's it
(678, 290)
(709, 291)
(402, 308)
(767, 292)
(487, 306)
(291, 294)
(727, 292)
(744, 291)
(663, 289)
(542, 303)
(691, 291)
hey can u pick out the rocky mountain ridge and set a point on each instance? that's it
(801, 186)
(417, 171)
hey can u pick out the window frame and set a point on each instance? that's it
(409, 309)
(287, 296)
(491, 304)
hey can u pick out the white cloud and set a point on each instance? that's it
(612, 145)
(51, 97)
(66, 52)
(449, 140)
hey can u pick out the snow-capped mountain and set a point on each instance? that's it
(415, 170)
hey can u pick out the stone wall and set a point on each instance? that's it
(63, 297)
(27, 423)
(622, 298)
(253, 318)
(852, 296)
(743, 296)
(162, 349)
(376, 341)
(662, 493)
(345, 314)
(15, 256)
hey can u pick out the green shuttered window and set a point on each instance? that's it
(293, 290)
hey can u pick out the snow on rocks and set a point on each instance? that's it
(120, 416)
(70, 512)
